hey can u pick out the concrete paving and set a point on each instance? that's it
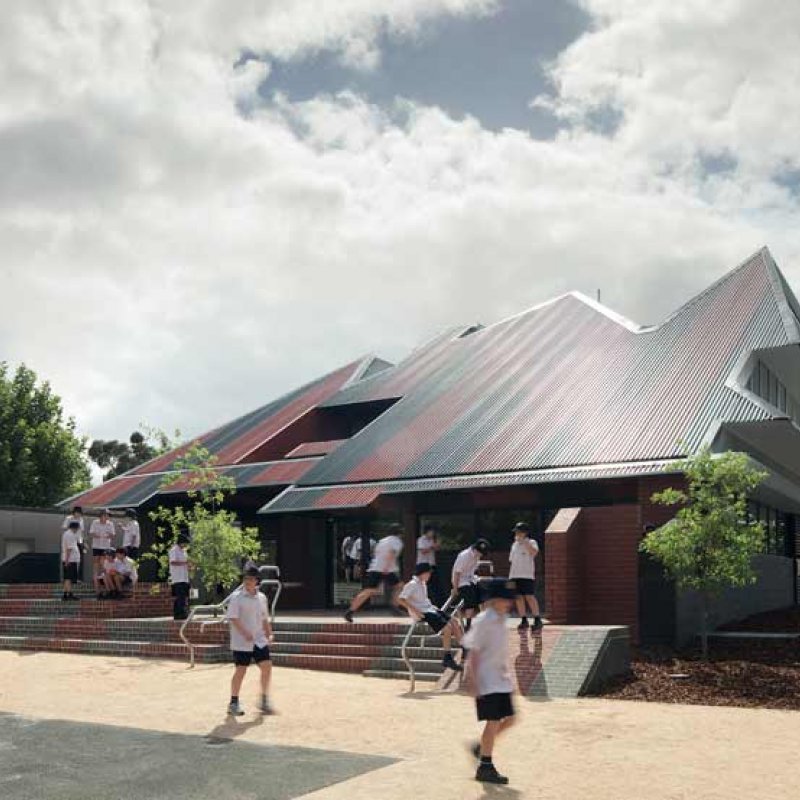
(563, 749)
(75, 761)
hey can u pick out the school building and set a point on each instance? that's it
(567, 416)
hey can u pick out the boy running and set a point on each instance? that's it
(251, 634)
(414, 598)
(523, 573)
(70, 558)
(463, 578)
(383, 570)
(491, 675)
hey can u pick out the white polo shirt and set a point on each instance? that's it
(251, 611)
(523, 559)
(72, 518)
(466, 563)
(70, 554)
(487, 641)
(386, 552)
(131, 535)
(178, 573)
(101, 534)
(415, 594)
(126, 566)
(426, 552)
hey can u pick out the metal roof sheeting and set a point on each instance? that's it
(234, 441)
(565, 384)
(315, 448)
(360, 495)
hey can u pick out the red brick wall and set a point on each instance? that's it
(593, 566)
(609, 550)
(563, 584)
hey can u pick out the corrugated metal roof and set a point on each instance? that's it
(132, 491)
(360, 495)
(315, 448)
(565, 384)
(234, 441)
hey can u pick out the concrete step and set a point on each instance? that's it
(429, 654)
(401, 675)
(143, 629)
(205, 653)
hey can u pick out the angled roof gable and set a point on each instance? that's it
(564, 384)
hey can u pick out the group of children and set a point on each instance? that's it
(484, 607)
(113, 568)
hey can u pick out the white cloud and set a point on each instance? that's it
(177, 251)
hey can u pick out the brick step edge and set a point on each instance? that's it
(109, 647)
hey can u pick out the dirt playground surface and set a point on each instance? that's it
(598, 748)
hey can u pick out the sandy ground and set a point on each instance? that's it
(599, 749)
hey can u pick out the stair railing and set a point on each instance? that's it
(220, 608)
(404, 647)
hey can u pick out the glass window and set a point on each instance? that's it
(781, 396)
(455, 531)
(754, 384)
(763, 374)
(495, 526)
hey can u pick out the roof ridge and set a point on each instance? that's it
(787, 302)
(715, 285)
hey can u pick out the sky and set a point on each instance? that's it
(206, 203)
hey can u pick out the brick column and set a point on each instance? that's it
(563, 585)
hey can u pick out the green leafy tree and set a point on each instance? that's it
(41, 457)
(218, 542)
(710, 543)
(119, 457)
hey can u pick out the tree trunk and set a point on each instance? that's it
(704, 628)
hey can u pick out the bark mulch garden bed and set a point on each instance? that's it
(739, 672)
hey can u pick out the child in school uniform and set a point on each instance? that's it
(125, 568)
(105, 577)
(414, 597)
(487, 643)
(70, 558)
(251, 633)
(523, 572)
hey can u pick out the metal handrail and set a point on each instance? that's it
(222, 606)
(410, 633)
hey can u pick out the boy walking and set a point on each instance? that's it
(414, 597)
(251, 633)
(383, 570)
(523, 573)
(491, 674)
(70, 558)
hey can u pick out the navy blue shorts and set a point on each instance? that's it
(494, 706)
(244, 658)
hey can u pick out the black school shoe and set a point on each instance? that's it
(523, 625)
(537, 625)
(488, 774)
(348, 615)
(448, 662)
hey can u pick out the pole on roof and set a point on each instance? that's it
(598, 295)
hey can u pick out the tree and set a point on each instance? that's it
(41, 457)
(710, 543)
(218, 542)
(118, 457)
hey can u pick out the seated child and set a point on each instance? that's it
(125, 569)
(414, 597)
